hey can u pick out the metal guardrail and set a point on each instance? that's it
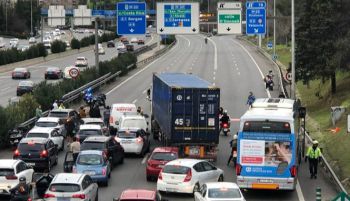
(75, 94)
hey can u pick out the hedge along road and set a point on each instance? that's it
(8, 86)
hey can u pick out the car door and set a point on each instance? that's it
(23, 171)
(55, 139)
(111, 147)
(201, 194)
(210, 171)
(200, 175)
(91, 189)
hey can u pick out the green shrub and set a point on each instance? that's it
(58, 46)
(13, 55)
(84, 42)
(75, 43)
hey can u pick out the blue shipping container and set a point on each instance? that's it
(186, 108)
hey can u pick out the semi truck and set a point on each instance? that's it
(185, 114)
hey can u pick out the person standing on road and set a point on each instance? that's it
(61, 106)
(106, 115)
(38, 112)
(251, 99)
(233, 154)
(70, 128)
(82, 112)
(314, 156)
(55, 105)
(75, 148)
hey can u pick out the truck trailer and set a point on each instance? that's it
(185, 114)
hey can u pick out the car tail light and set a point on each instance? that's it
(225, 125)
(293, 171)
(139, 140)
(16, 153)
(11, 177)
(48, 195)
(43, 154)
(81, 196)
(104, 171)
(160, 176)
(238, 169)
(188, 176)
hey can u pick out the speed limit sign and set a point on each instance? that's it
(74, 72)
(288, 76)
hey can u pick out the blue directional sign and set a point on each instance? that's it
(256, 17)
(177, 15)
(131, 18)
(98, 12)
(269, 44)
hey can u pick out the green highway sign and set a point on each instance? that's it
(227, 18)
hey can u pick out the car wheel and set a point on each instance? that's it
(221, 178)
(196, 188)
(96, 198)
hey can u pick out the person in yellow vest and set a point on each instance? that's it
(314, 155)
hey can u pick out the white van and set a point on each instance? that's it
(133, 122)
(117, 111)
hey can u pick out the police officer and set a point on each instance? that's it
(314, 155)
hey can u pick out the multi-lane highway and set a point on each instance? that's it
(8, 86)
(233, 66)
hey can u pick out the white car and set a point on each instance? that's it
(14, 42)
(71, 186)
(214, 191)
(67, 43)
(133, 122)
(81, 62)
(187, 175)
(57, 37)
(51, 133)
(87, 130)
(51, 122)
(134, 141)
(47, 42)
(2, 42)
(95, 121)
(32, 40)
(134, 40)
(121, 46)
(11, 171)
(118, 110)
(66, 74)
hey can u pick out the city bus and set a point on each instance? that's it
(268, 150)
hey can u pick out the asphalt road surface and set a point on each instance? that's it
(8, 85)
(236, 68)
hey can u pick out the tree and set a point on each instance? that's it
(316, 36)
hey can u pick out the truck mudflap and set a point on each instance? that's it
(206, 152)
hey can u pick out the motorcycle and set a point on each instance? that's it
(16, 134)
(225, 128)
(100, 100)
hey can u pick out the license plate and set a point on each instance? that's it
(265, 181)
(171, 189)
(225, 129)
(32, 164)
(194, 151)
(63, 199)
(126, 142)
(161, 166)
(89, 172)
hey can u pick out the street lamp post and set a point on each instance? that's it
(6, 4)
(274, 28)
(31, 17)
(208, 16)
(293, 53)
(96, 44)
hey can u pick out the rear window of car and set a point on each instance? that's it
(43, 135)
(224, 193)
(30, 147)
(46, 124)
(92, 145)
(175, 169)
(90, 132)
(58, 114)
(164, 156)
(5, 172)
(95, 123)
(90, 159)
(124, 134)
(69, 188)
(133, 123)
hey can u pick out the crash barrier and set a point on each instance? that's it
(76, 94)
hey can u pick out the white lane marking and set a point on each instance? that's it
(256, 64)
(214, 72)
(236, 64)
(133, 102)
(144, 91)
(214, 78)
(215, 54)
(299, 192)
(144, 68)
(5, 89)
(239, 73)
(145, 158)
(236, 68)
(150, 40)
(5, 77)
(188, 41)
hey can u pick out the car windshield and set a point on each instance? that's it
(30, 147)
(69, 188)
(224, 193)
(46, 124)
(95, 123)
(58, 114)
(90, 132)
(133, 123)
(175, 169)
(92, 145)
(6, 172)
(124, 134)
(43, 135)
(90, 159)
(80, 59)
(164, 156)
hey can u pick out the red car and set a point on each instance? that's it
(139, 194)
(159, 157)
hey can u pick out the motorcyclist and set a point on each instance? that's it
(225, 119)
(21, 192)
(221, 111)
